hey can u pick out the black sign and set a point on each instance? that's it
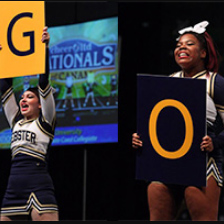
(171, 122)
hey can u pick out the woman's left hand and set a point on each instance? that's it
(45, 36)
(207, 144)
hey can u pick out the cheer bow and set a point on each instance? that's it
(198, 28)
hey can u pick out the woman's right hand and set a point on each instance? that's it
(45, 36)
(136, 142)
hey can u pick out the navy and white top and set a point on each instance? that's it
(30, 137)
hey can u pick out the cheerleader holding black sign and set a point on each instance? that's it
(197, 57)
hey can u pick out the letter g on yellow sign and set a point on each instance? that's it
(22, 24)
(189, 130)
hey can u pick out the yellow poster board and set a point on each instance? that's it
(21, 28)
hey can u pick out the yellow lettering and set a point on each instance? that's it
(189, 131)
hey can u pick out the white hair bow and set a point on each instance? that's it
(198, 28)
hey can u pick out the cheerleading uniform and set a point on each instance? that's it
(29, 185)
(214, 120)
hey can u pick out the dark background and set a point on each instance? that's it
(147, 33)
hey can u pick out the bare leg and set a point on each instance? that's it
(50, 216)
(203, 203)
(161, 202)
(5, 218)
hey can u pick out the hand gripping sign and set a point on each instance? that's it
(171, 121)
(22, 24)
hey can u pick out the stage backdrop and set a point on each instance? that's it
(171, 121)
(84, 73)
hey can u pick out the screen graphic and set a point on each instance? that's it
(84, 74)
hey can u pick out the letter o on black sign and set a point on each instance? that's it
(189, 130)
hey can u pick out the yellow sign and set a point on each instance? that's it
(189, 129)
(21, 28)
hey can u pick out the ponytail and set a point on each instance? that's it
(212, 57)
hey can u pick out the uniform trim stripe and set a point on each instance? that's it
(7, 95)
(51, 136)
(212, 84)
(219, 107)
(212, 170)
(44, 93)
(22, 122)
(32, 203)
(29, 148)
(200, 74)
(28, 151)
